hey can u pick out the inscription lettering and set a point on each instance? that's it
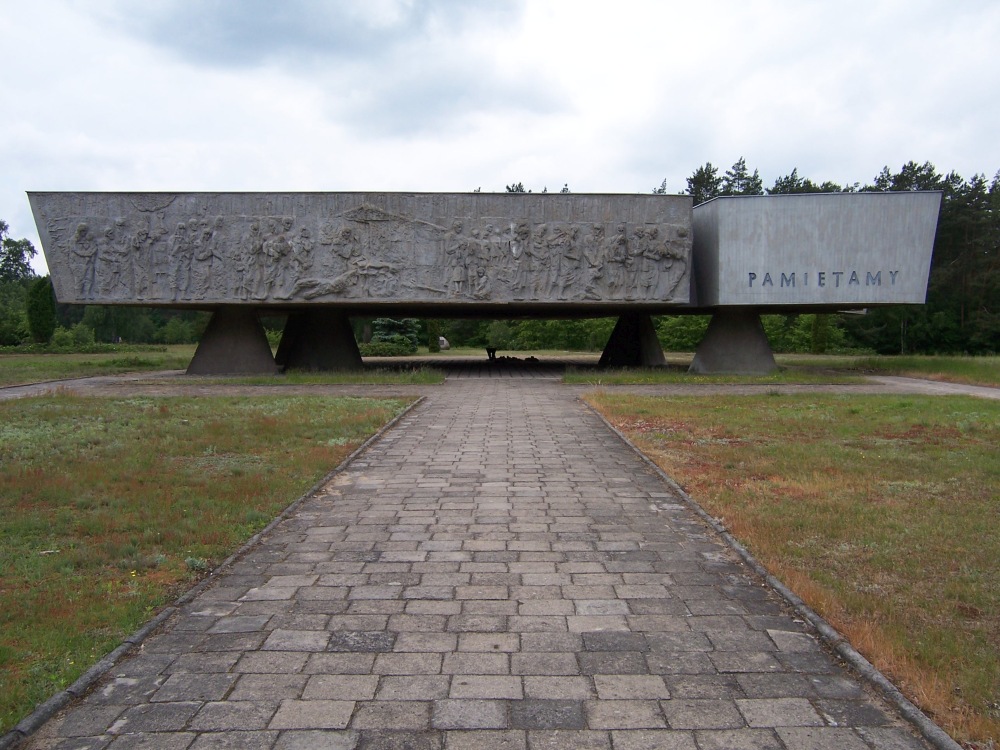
(791, 279)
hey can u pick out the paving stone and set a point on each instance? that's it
(340, 687)
(154, 741)
(316, 714)
(487, 739)
(315, 739)
(217, 661)
(563, 739)
(392, 715)
(852, 713)
(544, 663)
(738, 739)
(630, 686)
(496, 687)
(821, 738)
(685, 713)
(361, 641)
(779, 712)
(126, 691)
(339, 663)
(547, 714)
(890, 738)
(296, 640)
(186, 686)
(271, 662)
(411, 664)
(80, 722)
(470, 714)
(613, 662)
(386, 740)
(463, 663)
(624, 714)
(263, 687)
(154, 717)
(615, 641)
(232, 714)
(652, 739)
(417, 687)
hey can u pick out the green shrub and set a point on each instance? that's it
(386, 349)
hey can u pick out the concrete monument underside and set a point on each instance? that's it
(320, 257)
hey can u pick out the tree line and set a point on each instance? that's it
(962, 314)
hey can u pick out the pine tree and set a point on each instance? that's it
(738, 181)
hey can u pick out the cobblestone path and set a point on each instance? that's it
(498, 571)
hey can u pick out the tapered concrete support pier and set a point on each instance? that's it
(735, 342)
(318, 340)
(233, 344)
(633, 343)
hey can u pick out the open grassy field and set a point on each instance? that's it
(18, 369)
(968, 370)
(881, 512)
(109, 507)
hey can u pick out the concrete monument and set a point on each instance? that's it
(321, 257)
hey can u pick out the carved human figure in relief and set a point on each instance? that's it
(482, 288)
(181, 252)
(113, 261)
(520, 252)
(208, 261)
(592, 264)
(456, 253)
(617, 261)
(648, 257)
(565, 263)
(139, 254)
(85, 247)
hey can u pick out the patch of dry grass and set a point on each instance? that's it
(882, 513)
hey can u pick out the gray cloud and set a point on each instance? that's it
(259, 32)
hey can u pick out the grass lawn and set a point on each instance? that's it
(968, 370)
(110, 507)
(18, 369)
(679, 375)
(881, 512)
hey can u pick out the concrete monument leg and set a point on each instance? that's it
(233, 344)
(633, 343)
(735, 342)
(318, 340)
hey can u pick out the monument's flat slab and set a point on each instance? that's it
(839, 250)
(350, 249)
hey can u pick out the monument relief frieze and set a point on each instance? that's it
(274, 249)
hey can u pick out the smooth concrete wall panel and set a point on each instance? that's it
(375, 249)
(843, 249)
(705, 254)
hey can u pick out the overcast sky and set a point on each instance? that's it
(451, 95)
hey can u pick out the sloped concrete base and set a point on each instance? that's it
(633, 343)
(233, 344)
(735, 343)
(318, 340)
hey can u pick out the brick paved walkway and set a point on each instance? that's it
(499, 571)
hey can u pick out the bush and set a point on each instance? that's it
(681, 333)
(405, 332)
(399, 348)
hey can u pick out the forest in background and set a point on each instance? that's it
(961, 316)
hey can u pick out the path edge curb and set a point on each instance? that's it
(840, 645)
(49, 708)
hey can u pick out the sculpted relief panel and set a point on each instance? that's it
(196, 248)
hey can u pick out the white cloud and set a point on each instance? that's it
(447, 95)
